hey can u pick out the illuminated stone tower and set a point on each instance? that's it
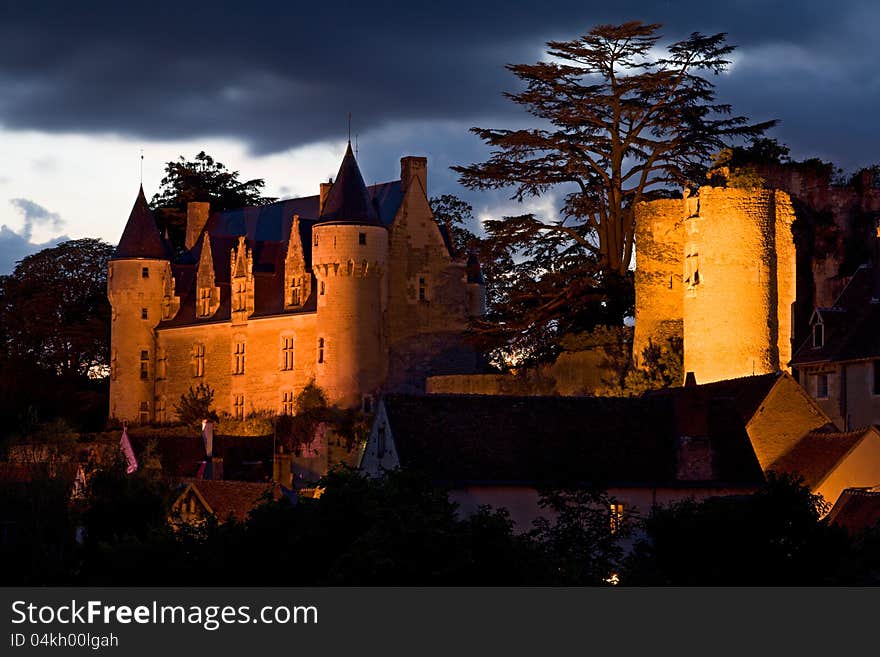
(350, 259)
(138, 276)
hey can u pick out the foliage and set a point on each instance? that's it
(619, 125)
(582, 542)
(201, 179)
(195, 405)
(773, 537)
(454, 216)
(55, 337)
(658, 367)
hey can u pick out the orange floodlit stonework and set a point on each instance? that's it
(355, 288)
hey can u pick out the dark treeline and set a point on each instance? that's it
(401, 530)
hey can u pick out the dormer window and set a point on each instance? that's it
(818, 335)
(362, 238)
(145, 272)
(240, 295)
(204, 302)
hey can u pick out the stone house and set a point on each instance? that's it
(355, 288)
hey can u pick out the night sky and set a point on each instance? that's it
(266, 88)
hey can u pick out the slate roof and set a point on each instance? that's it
(852, 325)
(244, 457)
(141, 237)
(234, 498)
(816, 454)
(745, 394)
(856, 509)
(601, 441)
(348, 199)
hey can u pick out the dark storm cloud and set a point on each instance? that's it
(14, 246)
(285, 74)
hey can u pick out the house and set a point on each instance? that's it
(839, 363)
(500, 451)
(831, 461)
(856, 509)
(776, 410)
(355, 288)
(204, 499)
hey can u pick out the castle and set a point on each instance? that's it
(356, 289)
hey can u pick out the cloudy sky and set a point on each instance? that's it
(266, 87)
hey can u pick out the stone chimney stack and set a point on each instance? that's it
(196, 217)
(325, 190)
(411, 169)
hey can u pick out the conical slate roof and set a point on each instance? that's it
(141, 238)
(348, 199)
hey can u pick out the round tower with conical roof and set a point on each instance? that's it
(350, 258)
(138, 276)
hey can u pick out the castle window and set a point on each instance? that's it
(239, 358)
(821, 386)
(145, 365)
(295, 292)
(320, 350)
(362, 238)
(143, 313)
(144, 412)
(818, 335)
(204, 301)
(322, 288)
(287, 403)
(422, 288)
(616, 511)
(875, 366)
(145, 272)
(316, 239)
(238, 407)
(198, 362)
(287, 353)
(240, 295)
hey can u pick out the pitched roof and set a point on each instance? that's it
(816, 454)
(602, 441)
(348, 199)
(234, 498)
(141, 237)
(746, 394)
(851, 326)
(856, 509)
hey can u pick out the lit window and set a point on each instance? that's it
(145, 272)
(143, 313)
(287, 353)
(287, 403)
(821, 386)
(320, 350)
(238, 407)
(362, 238)
(818, 334)
(239, 358)
(616, 517)
(198, 360)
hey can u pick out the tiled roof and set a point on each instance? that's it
(141, 237)
(602, 441)
(234, 498)
(856, 509)
(816, 454)
(851, 326)
(348, 199)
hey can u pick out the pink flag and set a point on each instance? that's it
(131, 464)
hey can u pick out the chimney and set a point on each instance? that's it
(325, 190)
(196, 217)
(411, 169)
(875, 263)
(217, 468)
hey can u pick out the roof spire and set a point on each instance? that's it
(141, 237)
(348, 199)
